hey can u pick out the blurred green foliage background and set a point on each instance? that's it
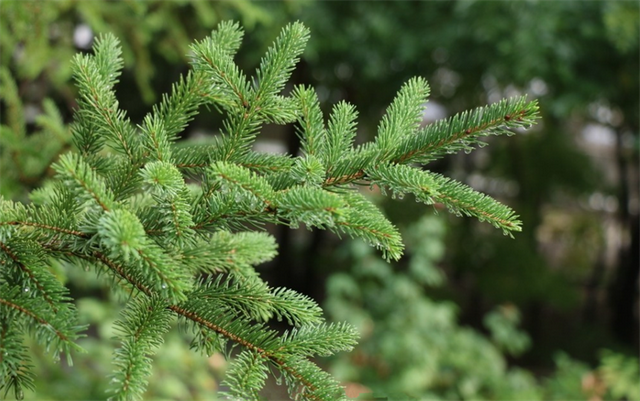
(467, 313)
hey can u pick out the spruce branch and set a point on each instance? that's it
(86, 184)
(341, 131)
(461, 199)
(167, 187)
(245, 377)
(56, 330)
(214, 59)
(30, 273)
(404, 115)
(462, 131)
(233, 178)
(278, 63)
(366, 221)
(14, 115)
(121, 232)
(168, 221)
(310, 205)
(163, 125)
(307, 380)
(15, 362)
(95, 81)
(108, 58)
(227, 252)
(402, 179)
(311, 125)
(320, 340)
(144, 322)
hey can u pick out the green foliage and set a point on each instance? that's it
(620, 374)
(614, 378)
(44, 32)
(25, 158)
(621, 21)
(121, 207)
(502, 324)
(412, 346)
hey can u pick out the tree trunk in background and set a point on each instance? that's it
(593, 287)
(623, 295)
(623, 292)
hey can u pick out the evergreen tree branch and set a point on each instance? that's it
(56, 330)
(84, 181)
(462, 131)
(61, 230)
(246, 376)
(311, 125)
(352, 167)
(163, 125)
(282, 364)
(319, 340)
(308, 381)
(15, 117)
(341, 131)
(366, 221)
(278, 63)
(98, 99)
(36, 277)
(461, 199)
(167, 187)
(143, 323)
(234, 178)
(131, 215)
(264, 338)
(225, 251)
(122, 233)
(403, 116)
(15, 361)
(212, 59)
(401, 179)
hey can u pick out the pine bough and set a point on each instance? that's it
(167, 224)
